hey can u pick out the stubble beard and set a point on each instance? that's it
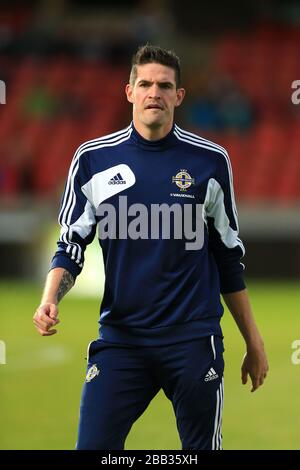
(154, 122)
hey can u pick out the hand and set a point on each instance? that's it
(45, 318)
(255, 364)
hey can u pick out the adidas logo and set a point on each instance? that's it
(211, 375)
(117, 179)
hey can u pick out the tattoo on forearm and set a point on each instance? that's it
(67, 281)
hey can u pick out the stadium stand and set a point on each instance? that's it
(88, 104)
(264, 63)
(65, 68)
(64, 100)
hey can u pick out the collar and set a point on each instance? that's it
(153, 145)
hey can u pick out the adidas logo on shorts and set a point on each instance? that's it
(211, 375)
(117, 179)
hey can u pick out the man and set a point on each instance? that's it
(161, 309)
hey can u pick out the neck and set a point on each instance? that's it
(152, 133)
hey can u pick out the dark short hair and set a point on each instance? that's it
(150, 54)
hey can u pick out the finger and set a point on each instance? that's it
(261, 380)
(244, 376)
(255, 384)
(43, 327)
(53, 312)
(43, 317)
(263, 377)
(46, 333)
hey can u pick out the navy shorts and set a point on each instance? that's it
(122, 380)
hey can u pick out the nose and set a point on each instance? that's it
(154, 91)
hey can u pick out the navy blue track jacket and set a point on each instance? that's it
(156, 290)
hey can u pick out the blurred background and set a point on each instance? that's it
(64, 65)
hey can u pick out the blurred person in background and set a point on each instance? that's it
(161, 310)
(216, 103)
(40, 102)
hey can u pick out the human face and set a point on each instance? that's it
(154, 97)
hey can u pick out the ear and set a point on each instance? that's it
(180, 95)
(129, 93)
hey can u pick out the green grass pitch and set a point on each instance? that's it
(40, 385)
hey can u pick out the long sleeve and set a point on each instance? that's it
(76, 218)
(223, 230)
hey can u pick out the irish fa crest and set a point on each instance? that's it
(92, 373)
(183, 180)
